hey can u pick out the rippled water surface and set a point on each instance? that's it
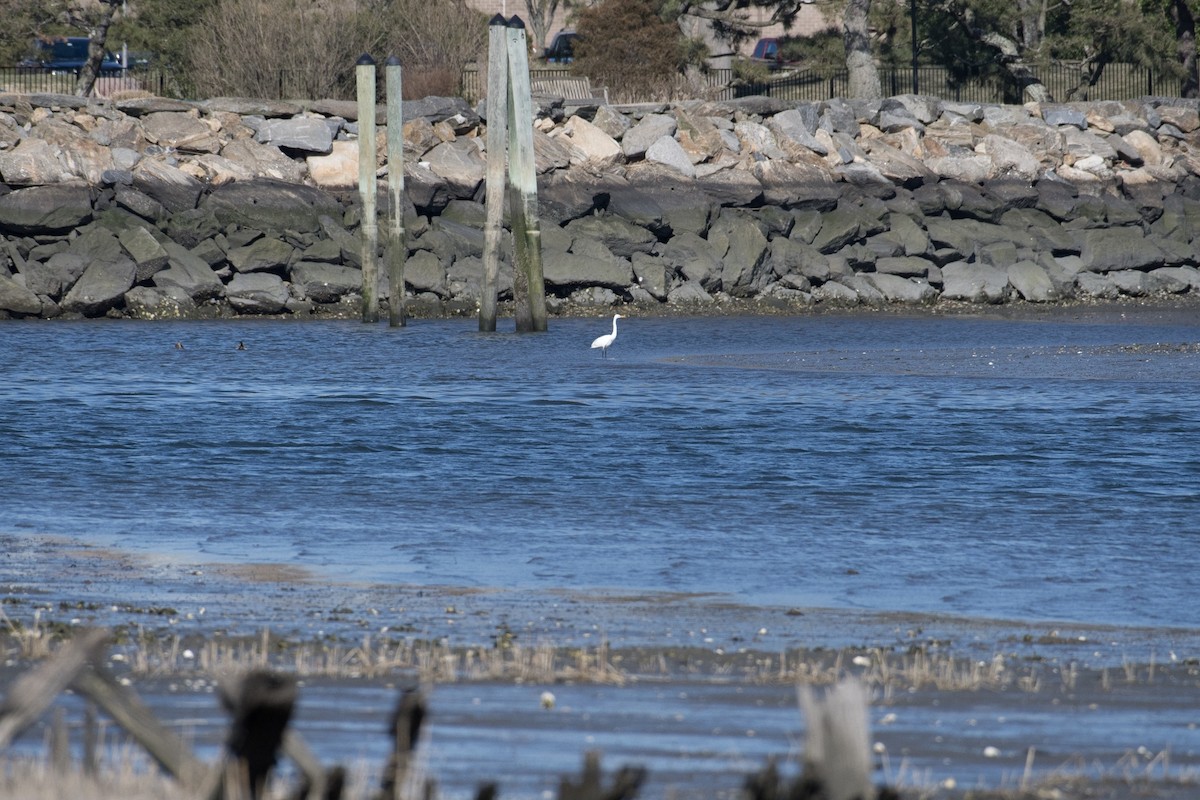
(1037, 469)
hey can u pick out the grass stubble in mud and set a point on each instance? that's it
(926, 674)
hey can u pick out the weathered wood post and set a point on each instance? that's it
(365, 76)
(261, 705)
(397, 245)
(406, 732)
(497, 145)
(529, 288)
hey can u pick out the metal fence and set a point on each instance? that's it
(27, 81)
(1117, 82)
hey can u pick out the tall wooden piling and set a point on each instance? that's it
(497, 145)
(368, 230)
(529, 288)
(397, 245)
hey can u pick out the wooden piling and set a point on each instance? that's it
(261, 704)
(368, 230)
(406, 732)
(529, 288)
(397, 244)
(497, 146)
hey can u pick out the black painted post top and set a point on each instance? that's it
(365, 60)
(515, 22)
(393, 61)
(498, 20)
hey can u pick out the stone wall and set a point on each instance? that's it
(155, 208)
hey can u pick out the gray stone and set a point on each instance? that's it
(838, 228)
(45, 209)
(793, 136)
(425, 272)
(145, 302)
(1032, 282)
(620, 236)
(246, 106)
(571, 269)
(460, 165)
(257, 293)
(731, 187)
(326, 283)
(303, 134)
(693, 258)
(174, 189)
(54, 276)
(188, 273)
(796, 185)
(33, 162)
(271, 205)
(741, 271)
(904, 266)
(1110, 249)
(651, 275)
(181, 131)
(652, 127)
(17, 299)
(669, 153)
(689, 293)
(147, 254)
(101, 287)
(898, 289)
(974, 283)
(1064, 115)
(265, 254)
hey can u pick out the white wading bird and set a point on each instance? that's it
(604, 341)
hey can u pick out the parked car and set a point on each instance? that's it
(561, 48)
(768, 51)
(65, 54)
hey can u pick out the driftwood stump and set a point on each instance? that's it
(260, 703)
(624, 786)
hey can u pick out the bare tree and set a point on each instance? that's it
(860, 60)
(97, 44)
(541, 15)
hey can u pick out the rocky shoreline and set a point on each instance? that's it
(163, 209)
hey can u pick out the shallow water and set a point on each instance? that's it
(1038, 469)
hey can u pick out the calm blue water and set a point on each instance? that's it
(1036, 470)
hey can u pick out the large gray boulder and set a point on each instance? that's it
(147, 253)
(303, 134)
(1108, 249)
(17, 299)
(55, 275)
(325, 283)
(271, 205)
(898, 289)
(265, 254)
(974, 283)
(1032, 282)
(101, 287)
(188, 273)
(573, 269)
(175, 189)
(620, 236)
(257, 293)
(45, 209)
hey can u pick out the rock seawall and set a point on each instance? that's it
(156, 208)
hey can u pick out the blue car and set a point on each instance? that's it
(66, 54)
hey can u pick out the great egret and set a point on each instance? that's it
(604, 341)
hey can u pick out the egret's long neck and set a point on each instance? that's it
(614, 333)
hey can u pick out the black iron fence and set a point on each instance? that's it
(1117, 82)
(30, 81)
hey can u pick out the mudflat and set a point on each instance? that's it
(698, 689)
